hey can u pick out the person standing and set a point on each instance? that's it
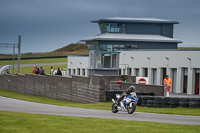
(168, 83)
(6, 71)
(58, 71)
(37, 71)
(42, 71)
(34, 69)
(52, 71)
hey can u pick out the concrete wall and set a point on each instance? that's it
(76, 88)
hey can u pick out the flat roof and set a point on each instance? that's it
(135, 20)
(131, 37)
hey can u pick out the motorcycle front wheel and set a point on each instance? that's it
(131, 109)
(114, 108)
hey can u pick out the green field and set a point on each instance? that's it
(36, 123)
(102, 105)
(25, 70)
(34, 61)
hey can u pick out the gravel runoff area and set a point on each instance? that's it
(14, 105)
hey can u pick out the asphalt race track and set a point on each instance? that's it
(13, 105)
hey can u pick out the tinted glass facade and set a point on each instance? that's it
(112, 28)
(110, 47)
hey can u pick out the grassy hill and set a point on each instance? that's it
(74, 47)
(71, 49)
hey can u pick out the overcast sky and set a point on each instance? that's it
(46, 25)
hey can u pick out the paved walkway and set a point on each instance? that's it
(13, 105)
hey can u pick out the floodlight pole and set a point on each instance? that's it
(13, 58)
(19, 53)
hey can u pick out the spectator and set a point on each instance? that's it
(6, 71)
(168, 83)
(42, 71)
(58, 71)
(37, 71)
(34, 69)
(52, 71)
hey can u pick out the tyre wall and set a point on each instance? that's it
(168, 102)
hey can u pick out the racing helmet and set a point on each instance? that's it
(132, 88)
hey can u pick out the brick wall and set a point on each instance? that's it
(76, 88)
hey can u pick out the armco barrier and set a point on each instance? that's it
(76, 88)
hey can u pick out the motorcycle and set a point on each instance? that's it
(128, 103)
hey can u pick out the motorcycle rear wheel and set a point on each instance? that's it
(114, 108)
(130, 110)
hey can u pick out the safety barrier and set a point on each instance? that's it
(168, 102)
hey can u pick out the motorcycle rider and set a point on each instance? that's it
(126, 93)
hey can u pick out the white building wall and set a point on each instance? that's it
(75, 62)
(140, 59)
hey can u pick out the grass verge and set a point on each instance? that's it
(37, 123)
(102, 105)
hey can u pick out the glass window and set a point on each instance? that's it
(109, 47)
(93, 47)
(112, 47)
(128, 46)
(102, 27)
(105, 47)
(114, 27)
(106, 60)
(83, 72)
(98, 61)
(91, 60)
(123, 28)
(114, 61)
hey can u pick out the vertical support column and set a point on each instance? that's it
(179, 81)
(141, 72)
(19, 53)
(150, 75)
(68, 72)
(168, 71)
(81, 71)
(133, 72)
(87, 72)
(159, 76)
(191, 81)
(13, 58)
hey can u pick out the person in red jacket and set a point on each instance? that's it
(168, 82)
(34, 69)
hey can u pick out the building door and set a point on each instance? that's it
(137, 72)
(120, 71)
(69, 72)
(163, 74)
(129, 71)
(173, 78)
(83, 72)
(197, 82)
(154, 76)
(124, 72)
(185, 79)
(78, 71)
(145, 72)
